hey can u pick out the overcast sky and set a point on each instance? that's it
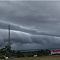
(34, 24)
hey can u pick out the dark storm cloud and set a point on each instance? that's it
(29, 12)
(34, 24)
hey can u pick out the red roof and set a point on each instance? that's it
(55, 50)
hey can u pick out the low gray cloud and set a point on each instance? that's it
(22, 40)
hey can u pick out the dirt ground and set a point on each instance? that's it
(55, 57)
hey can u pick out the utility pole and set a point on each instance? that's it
(9, 35)
(8, 46)
(9, 42)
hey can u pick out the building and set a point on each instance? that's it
(55, 51)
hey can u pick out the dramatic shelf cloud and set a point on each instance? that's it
(34, 24)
